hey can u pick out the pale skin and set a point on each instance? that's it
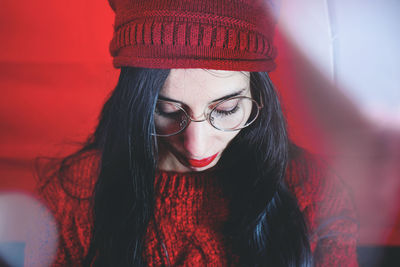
(197, 88)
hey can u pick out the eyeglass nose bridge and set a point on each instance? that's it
(205, 114)
(193, 120)
(190, 119)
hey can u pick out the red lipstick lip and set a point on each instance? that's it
(202, 162)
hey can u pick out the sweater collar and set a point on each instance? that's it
(170, 183)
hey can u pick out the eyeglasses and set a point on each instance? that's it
(231, 114)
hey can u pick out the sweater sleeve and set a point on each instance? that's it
(328, 209)
(67, 196)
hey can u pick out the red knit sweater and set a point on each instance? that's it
(191, 209)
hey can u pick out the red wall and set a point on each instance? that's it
(55, 73)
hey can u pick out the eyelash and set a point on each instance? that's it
(227, 112)
(167, 114)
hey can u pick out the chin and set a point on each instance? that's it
(199, 169)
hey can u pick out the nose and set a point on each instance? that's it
(195, 138)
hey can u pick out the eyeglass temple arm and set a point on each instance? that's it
(261, 101)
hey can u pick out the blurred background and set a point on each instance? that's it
(338, 76)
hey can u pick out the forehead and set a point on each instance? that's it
(193, 86)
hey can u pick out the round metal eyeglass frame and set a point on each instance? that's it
(207, 114)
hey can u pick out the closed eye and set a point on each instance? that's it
(169, 110)
(226, 112)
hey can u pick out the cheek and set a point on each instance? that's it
(225, 138)
(168, 142)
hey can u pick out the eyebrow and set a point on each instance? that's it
(239, 92)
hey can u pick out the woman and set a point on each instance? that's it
(190, 163)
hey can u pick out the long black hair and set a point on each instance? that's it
(266, 227)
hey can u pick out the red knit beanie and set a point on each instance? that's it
(211, 34)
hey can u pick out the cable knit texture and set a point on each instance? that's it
(212, 34)
(191, 209)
